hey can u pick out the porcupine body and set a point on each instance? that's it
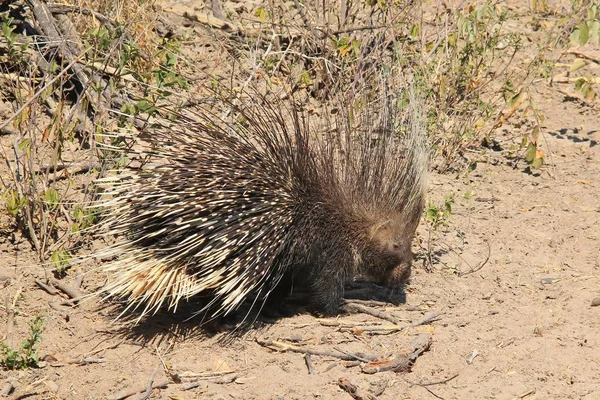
(228, 207)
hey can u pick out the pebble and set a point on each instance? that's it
(548, 281)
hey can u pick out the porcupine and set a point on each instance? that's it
(229, 207)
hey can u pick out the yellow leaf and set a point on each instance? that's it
(577, 64)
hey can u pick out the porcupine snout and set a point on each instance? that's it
(387, 257)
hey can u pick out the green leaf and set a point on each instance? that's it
(595, 32)
(261, 14)
(415, 31)
(530, 153)
(51, 197)
(537, 162)
(584, 33)
(574, 37)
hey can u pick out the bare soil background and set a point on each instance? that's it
(523, 326)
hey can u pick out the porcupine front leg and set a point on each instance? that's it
(328, 288)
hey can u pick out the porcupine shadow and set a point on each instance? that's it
(245, 211)
(245, 319)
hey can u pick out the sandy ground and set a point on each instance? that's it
(523, 326)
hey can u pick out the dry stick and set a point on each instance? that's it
(481, 265)
(148, 392)
(393, 328)
(10, 321)
(79, 171)
(308, 364)
(85, 361)
(349, 307)
(56, 8)
(49, 26)
(70, 291)
(79, 280)
(38, 93)
(403, 362)
(194, 385)
(369, 303)
(583, 55)
(354, 391)
(186, 374)
(359, 357)
(283, 347)
(122, 394)
(109, 347)
(433, 382)
(46, 288)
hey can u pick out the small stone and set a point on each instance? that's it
(548, 281)
(596, 302)
(493, 312)
(295, 338)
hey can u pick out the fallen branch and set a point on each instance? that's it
(402, 362)
(583, 55)
(122, 394)
(283, 347)
(439, 382)
(354, 391)
(353, 307)
(428, 318)
(48, 289)
(10, 321)
(70, 291)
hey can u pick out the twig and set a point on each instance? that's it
(109, 347)
(122, 394)
(567, 79)
(583, 55)
(350, 307)
(283, 347)
(438, 382)
(359, 357)
(480, 265)
(38, 93)
(10, 321)
(70, 291)
(392, 328)
(434, 316)
(85, 361)
(46, 288)
(189, 374)
(402, 362)
(354, 391)
(308, 364)
(56, 8)
(79, 280)
(148, 391)
(194, 385)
